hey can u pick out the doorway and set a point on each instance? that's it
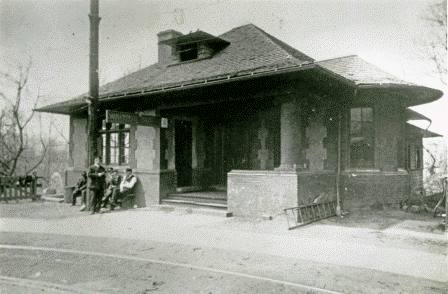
(183, 150)
(231, 151)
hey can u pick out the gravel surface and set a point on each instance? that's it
(117, 275)
(114, 275)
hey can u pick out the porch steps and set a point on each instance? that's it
(53, 198)
(201, 201)
(191, 209)
(193, 201)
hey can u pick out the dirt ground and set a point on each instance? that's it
(39, 209)
(378, 219)
(375, 219)
(104, 277)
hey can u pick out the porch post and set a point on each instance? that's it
(291, 137)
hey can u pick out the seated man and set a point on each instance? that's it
(112, 187)
(127, 186)
(80, 188)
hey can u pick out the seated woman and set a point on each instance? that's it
(127, 186)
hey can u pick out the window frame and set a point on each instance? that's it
(121, 154)
(413, 157)
(188, 52)
(368, 133)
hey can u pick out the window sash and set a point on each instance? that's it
(362, 137)
(116, 145)
(413, 157)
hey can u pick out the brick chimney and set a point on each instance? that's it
(166, 52)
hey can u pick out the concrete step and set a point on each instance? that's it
(219, 195)
(188, 209)
(193, 198)
(195, 203)
(55, 198)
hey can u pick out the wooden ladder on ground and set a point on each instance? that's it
(305, 214)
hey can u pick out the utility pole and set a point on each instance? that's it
(93, 87)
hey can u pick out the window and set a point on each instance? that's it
(408, 156)
(418, 158)
(115, 143)
(413, 157)
(188, 52)
(361, 137)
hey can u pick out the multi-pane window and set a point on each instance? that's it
(362, 137)
(413, 159)
(115, 143)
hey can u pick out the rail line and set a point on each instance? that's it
(59, 250)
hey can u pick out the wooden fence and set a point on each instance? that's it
(18, 188)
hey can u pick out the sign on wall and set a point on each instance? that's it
(130, 118)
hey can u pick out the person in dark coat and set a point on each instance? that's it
(80, 188)
(113, 186)
(97, 177)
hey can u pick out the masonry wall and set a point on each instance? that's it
(387, 182)
(413, 162)
(145, 160)
(311, 185)
(416, 181)
(154, 182)
(264, 134)
(78, 158)
(77, 155)
(258, 193)
(389, 135)
(362, 189)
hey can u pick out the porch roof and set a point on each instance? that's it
(414, 115)
(251, 53)
(421, 132)
(366, 76)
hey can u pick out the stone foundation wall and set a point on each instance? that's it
(373, 188)
(416, 180)
(313, 184)
(153, 186)
(258, 193)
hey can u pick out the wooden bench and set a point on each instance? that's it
(127, 201)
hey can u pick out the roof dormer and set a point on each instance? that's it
(194, 46)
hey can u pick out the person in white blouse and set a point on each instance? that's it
(127, 186)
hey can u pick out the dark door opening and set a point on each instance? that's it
(183, 148)
(230, 151)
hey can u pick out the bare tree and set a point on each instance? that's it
(435, 164)
(14, 121)
(435, 46)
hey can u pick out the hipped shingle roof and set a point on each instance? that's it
(251, 51)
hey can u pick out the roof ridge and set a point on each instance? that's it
(340, 57)
(237, 28)
(291, 51)
(285, 47)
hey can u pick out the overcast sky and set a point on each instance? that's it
(55, 35)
